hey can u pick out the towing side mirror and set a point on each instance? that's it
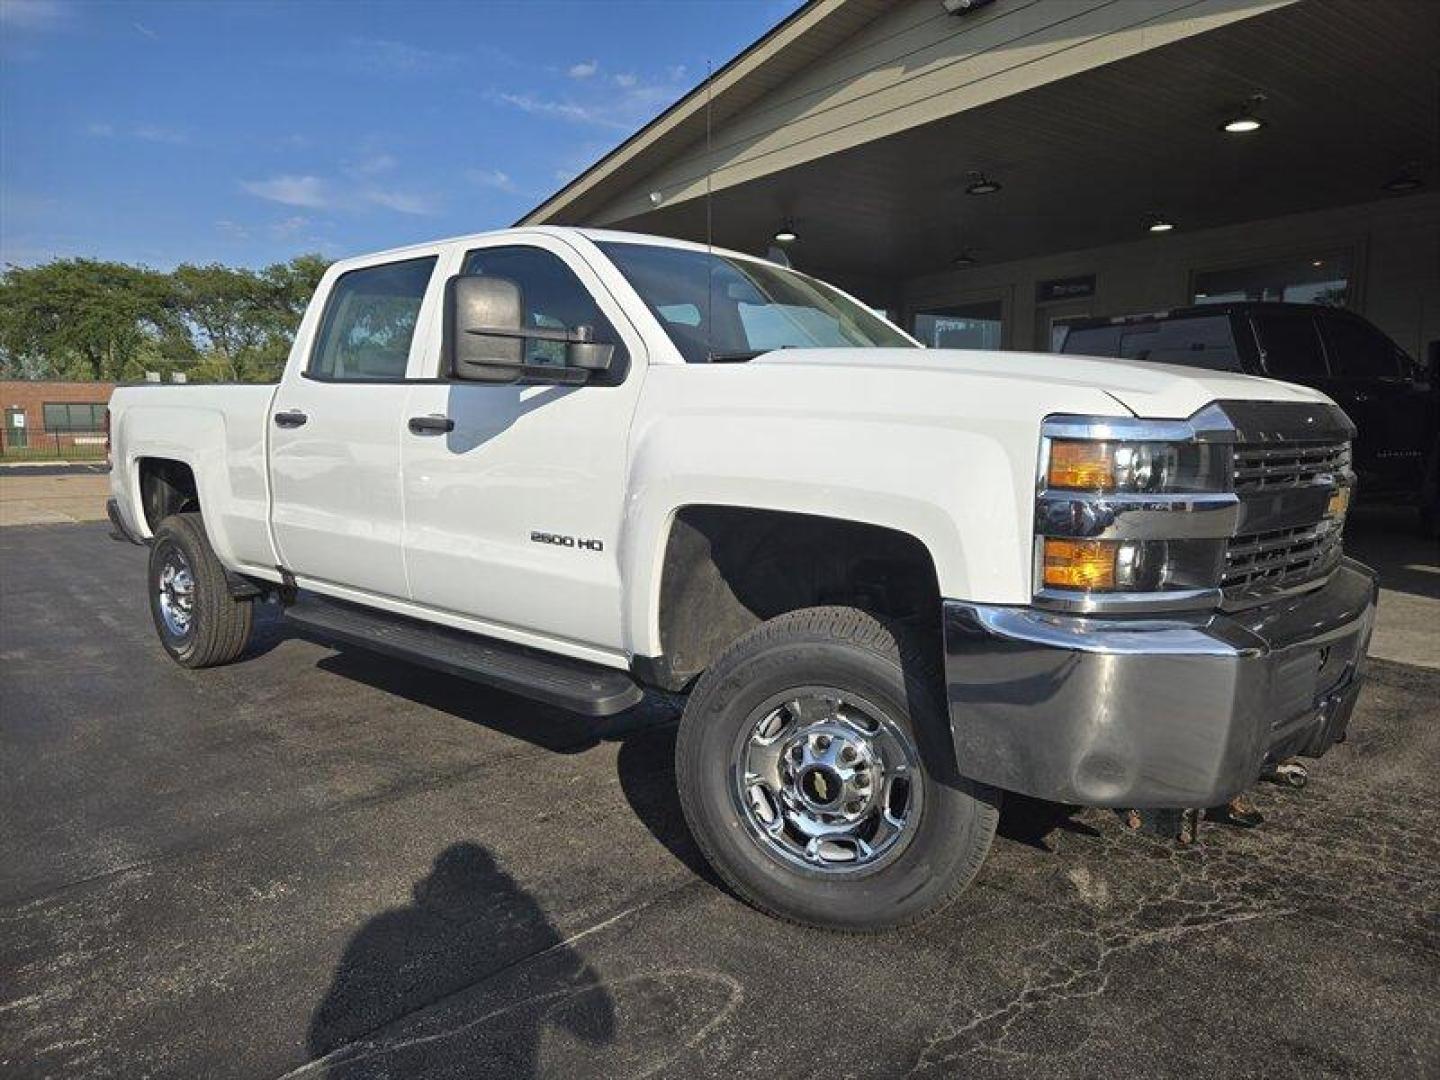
(483, 328)
(485, 336)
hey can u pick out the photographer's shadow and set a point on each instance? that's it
(469, 920)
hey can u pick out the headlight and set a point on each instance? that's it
(1131, 514)
(1108, 465)
(1130, 566)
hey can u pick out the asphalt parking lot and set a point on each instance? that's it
(321, 863)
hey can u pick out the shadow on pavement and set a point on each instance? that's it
(1388, 538)
(468, 920)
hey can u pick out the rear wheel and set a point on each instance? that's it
(816, 774)
(199, 622)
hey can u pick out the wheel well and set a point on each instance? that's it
(166, 487)
(728, 569)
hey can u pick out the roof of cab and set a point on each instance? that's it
(593, 235)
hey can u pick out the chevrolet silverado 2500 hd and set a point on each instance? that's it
(894, 582)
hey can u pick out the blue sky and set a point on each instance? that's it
(245, 133)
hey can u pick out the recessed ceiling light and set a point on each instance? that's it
(1318, 262)
(1246, 118)
(963, 260)
(786, 234)
(1161, 225)
(982, 185)
(1242, 125)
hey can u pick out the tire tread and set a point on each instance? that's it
(891, 643)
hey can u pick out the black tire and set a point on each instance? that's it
(218, 625)
(857, 655)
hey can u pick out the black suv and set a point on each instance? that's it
(1393, 400)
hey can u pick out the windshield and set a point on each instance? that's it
(717, 308)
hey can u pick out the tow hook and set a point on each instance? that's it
(1181, 825)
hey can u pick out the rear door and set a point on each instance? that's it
(1375, 382)
(336, 428)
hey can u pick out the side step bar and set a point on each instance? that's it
(556, 680)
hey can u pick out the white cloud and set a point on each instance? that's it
(233, 229)
(152, 133)
(375, 163)
(397, 57)
(493, 178)
(563, 110)
(402, 202)
(145, 133)
(145, 31)
(290, 190)
(619, 103)
(675, 72)
(287, 227)
(584, 69)
(35, 14)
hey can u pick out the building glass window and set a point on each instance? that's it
(962, 326)
(74, 416)
(1318, 278)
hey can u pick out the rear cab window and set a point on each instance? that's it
(369, 322)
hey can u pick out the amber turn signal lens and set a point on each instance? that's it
(1081, 465)
(1080, 564)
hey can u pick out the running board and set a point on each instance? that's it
(576, 685)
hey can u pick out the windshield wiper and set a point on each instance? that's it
(741, 355)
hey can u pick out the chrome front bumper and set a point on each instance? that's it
(1148, 712)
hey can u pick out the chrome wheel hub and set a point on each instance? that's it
(176, 589)
(827, 781)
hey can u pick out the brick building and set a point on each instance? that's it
(65, 418)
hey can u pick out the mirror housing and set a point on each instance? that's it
(477, 302)
(485, 336)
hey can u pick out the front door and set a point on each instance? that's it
(1375, 383)
(16, 434)
(336, 429)
(513, 517)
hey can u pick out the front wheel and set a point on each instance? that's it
(199, 622)
(816, 774)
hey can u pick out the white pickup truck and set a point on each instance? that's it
(893, 582)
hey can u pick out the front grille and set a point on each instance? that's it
(1264, 467)
(1260, 563)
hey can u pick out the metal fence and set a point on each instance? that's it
(27, 444)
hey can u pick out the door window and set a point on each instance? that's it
(370, 321)
(1359, 351)
(1291, 343)
(551, 298)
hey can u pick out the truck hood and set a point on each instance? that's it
(1152, 391)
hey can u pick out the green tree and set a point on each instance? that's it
(82, 318)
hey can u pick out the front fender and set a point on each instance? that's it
(953, 490)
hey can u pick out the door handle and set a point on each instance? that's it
(431, 425)
(290, 418)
